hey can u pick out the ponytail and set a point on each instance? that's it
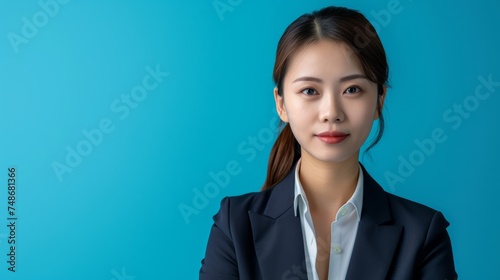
(284, 154)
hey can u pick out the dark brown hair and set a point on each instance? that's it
(341, 25)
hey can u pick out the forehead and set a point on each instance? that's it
(326, 59)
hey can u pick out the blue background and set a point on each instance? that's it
(117, 213)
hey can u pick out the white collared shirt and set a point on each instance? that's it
(343, 230)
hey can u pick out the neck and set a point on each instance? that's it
(328, 185)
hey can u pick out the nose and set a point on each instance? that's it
(331, 109)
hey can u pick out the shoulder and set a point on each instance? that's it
(422, 224)
(418, 220)
(407, 206)
(233, 219)
(411, 211)
(397, 210)
(252, 201)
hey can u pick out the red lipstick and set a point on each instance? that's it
(332, 137)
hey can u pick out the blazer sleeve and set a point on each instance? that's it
(220, 256)
(437, 256)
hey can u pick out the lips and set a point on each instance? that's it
(332, 134)
(332, 137)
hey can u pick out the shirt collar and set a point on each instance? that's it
(300, 196)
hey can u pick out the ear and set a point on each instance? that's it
(381, 99)
(280, 106)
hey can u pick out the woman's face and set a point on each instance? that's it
(328, 101)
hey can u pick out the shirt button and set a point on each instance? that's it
(343, 211)
(337, 250)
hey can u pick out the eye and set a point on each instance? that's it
(352, 90)
(309, 91)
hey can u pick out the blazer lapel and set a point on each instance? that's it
(376, 239)
(277, 234)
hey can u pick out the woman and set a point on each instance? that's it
(320, 215)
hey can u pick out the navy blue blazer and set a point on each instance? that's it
(257, 236)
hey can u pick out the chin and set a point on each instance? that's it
(337, 153)
(334, 157)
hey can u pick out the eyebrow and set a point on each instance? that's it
(343, 79)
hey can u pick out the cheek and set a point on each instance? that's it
(363, 116)
(300, 118)
(299, 112)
